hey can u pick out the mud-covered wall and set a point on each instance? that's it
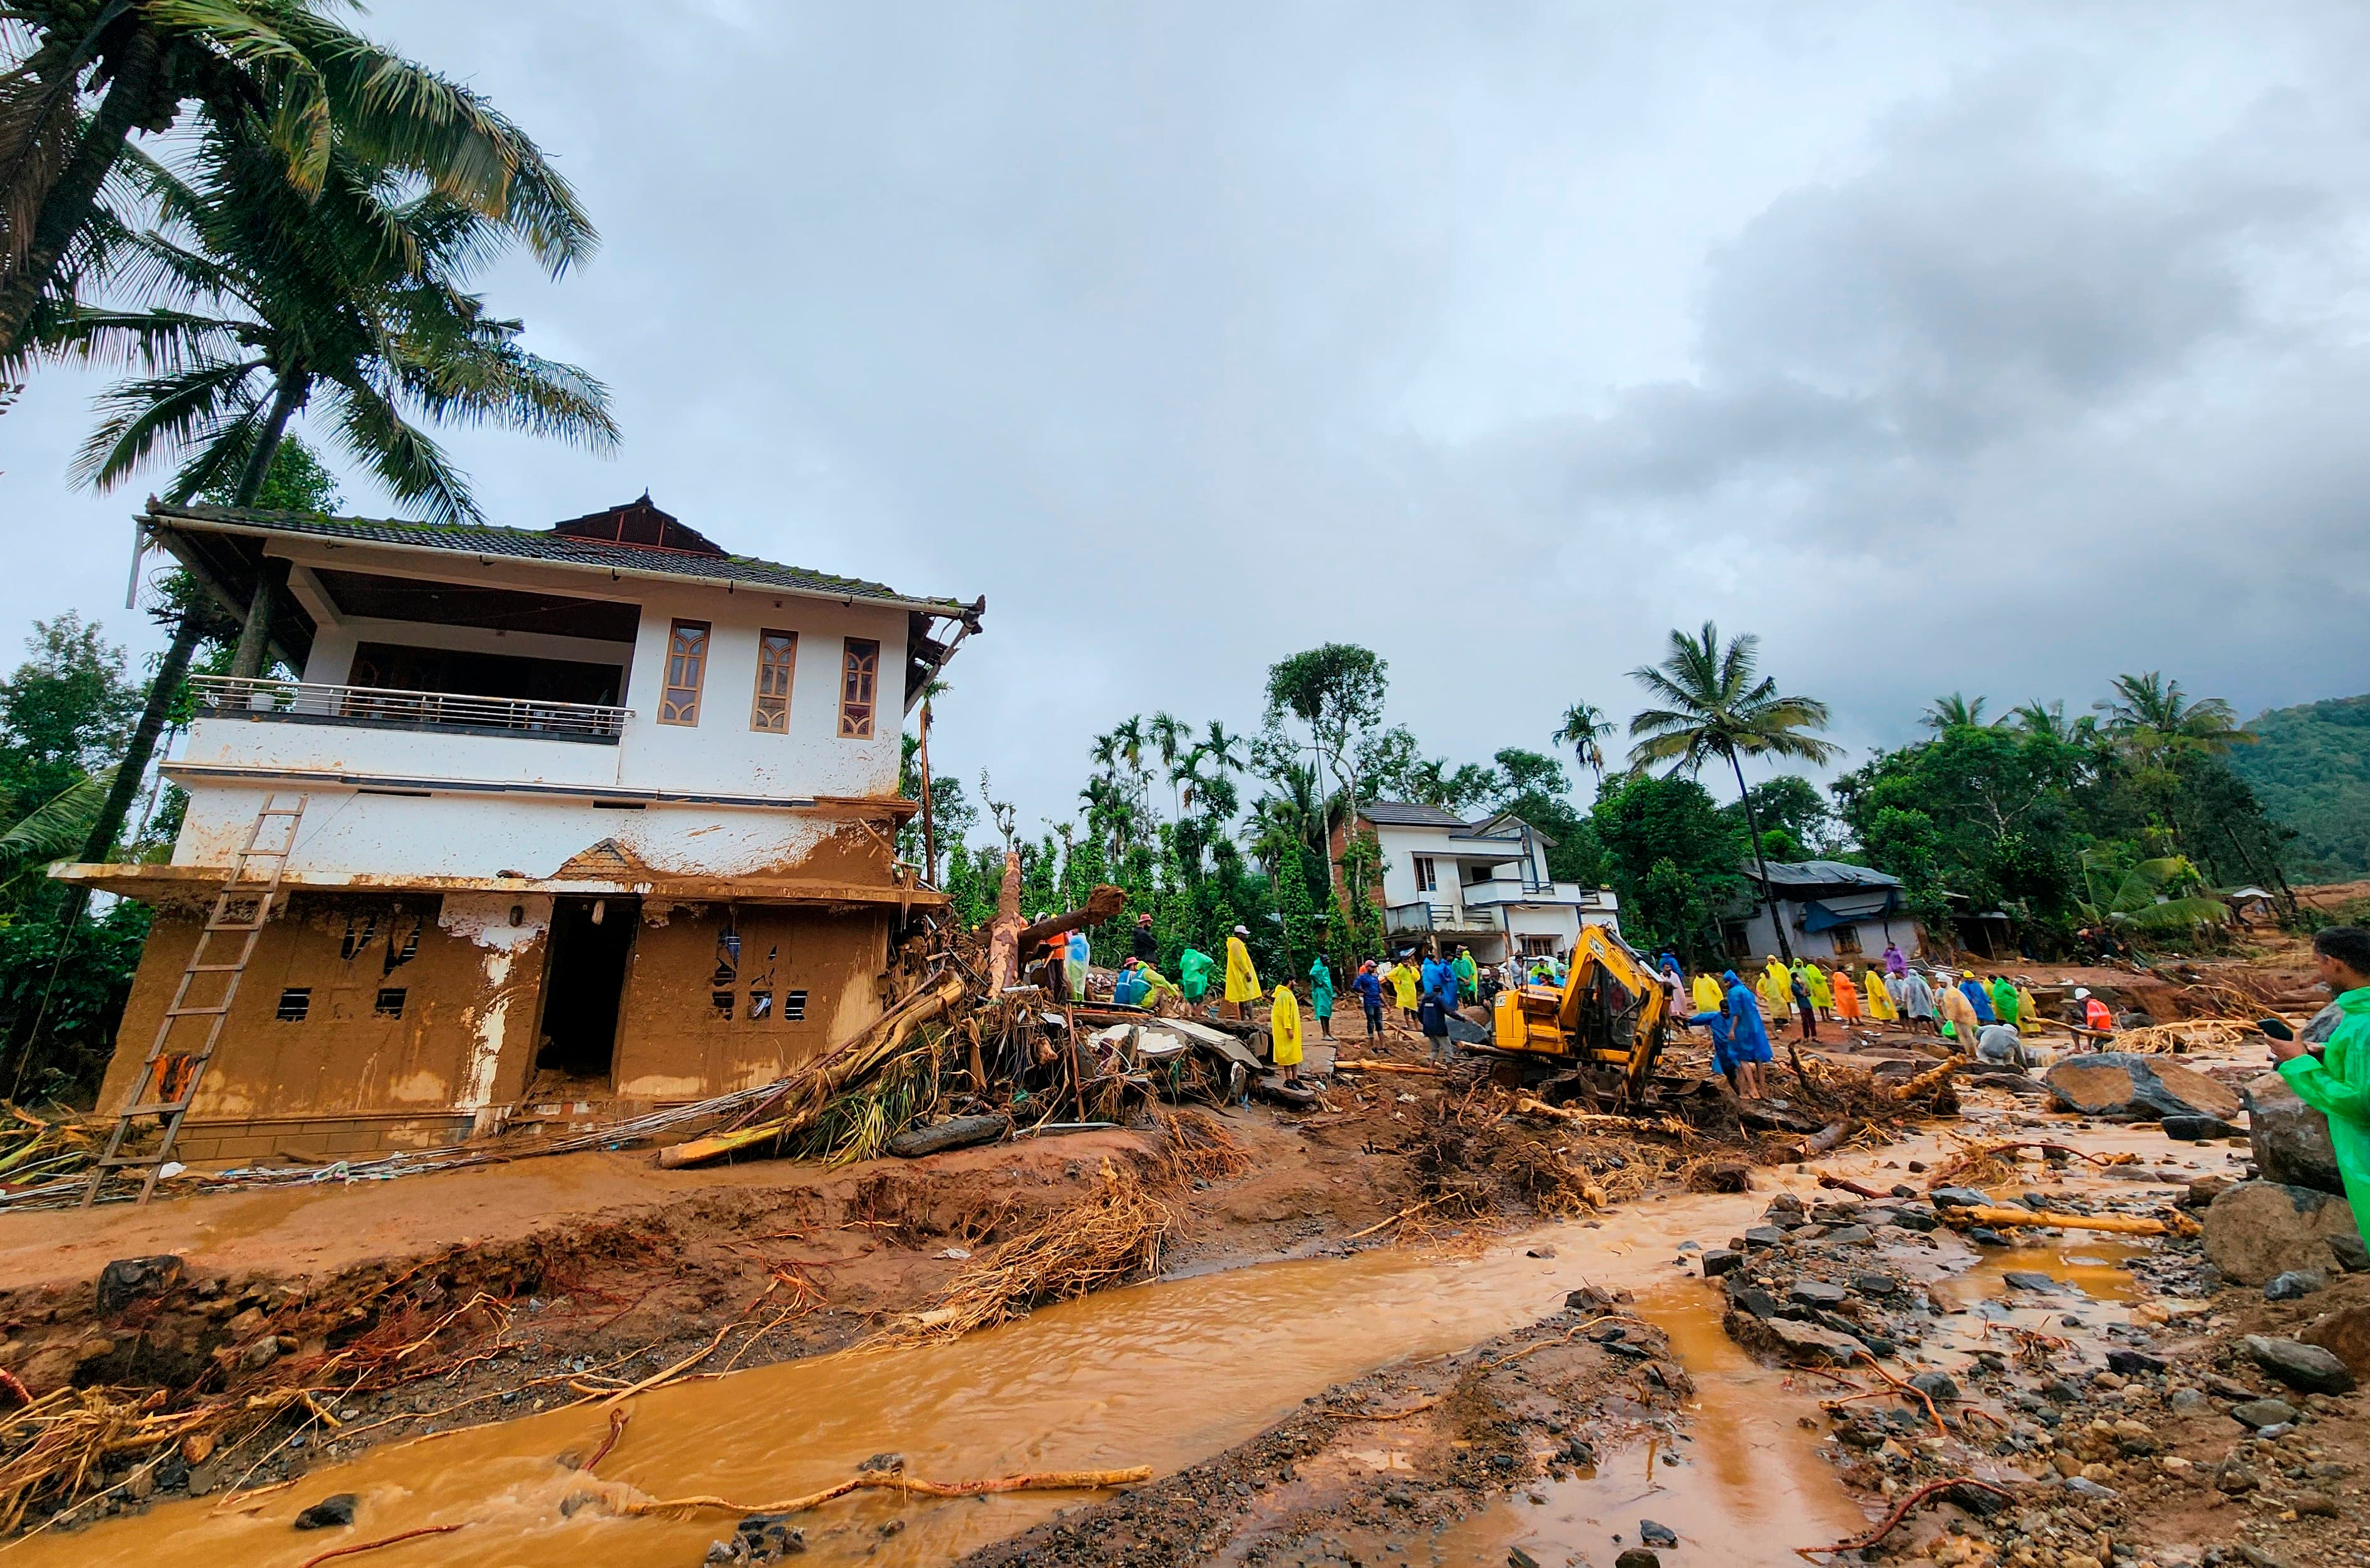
(687, 1028)
(466, 1011)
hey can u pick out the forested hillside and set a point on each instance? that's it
(2311, 769)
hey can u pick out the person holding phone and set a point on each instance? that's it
(2335, 1079)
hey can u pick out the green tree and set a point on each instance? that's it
(64, 713)
(82, 76)
(1672, 855)
(1955, 711)
(1716, 705)
(1584, 730)
(1793, 805)
(1337, 690)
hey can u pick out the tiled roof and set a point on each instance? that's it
(1407, 814)
(536, 545)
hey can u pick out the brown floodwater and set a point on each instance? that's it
(1163, 1374)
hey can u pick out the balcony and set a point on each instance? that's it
(1493, 894)
(372, 708)
(1417, 918)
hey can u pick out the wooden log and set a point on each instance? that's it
(956, 1132)
(1101, 904)
(897, 1480)
(1004, 933)
(1368, 1064)
(1828, 1136)
(1929, 1080)
(2119, 1224)
(1594, 1119)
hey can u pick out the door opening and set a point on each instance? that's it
(592, 942)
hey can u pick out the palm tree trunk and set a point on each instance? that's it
(255, 637)
(67, 205)
(1751, 827)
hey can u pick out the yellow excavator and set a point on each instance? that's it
(1606, 1026)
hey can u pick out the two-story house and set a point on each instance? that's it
(1481, 885)
(591, 820)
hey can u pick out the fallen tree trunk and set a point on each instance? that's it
(1929, 1080)
(1004, 933)
(1598, 1119)
(958, 1132)
(2120, 1224)
(820, 1084)
(1101, 904)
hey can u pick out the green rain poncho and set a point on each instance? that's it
(2005, 1004)
(2338, 1085)
(1193, 972)
(1321, 989)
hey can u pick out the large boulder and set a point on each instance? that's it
(2344, 1333)
(2123, 1084)
(2289, 1138)
(2299, 1366)
(2257, 1231)
(1780, 1339)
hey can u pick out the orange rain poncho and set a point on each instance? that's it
(1846, 996)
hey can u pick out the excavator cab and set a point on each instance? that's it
(1608, 1022)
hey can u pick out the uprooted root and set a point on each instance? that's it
(1199, 1150)
(1110, 1237)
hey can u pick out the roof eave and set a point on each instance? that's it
(162, 519)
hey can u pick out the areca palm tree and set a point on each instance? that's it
(1172, 738)
(83, 75)
(1583, 728)
(247, 301)
(1717, 704)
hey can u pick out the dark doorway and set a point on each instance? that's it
(592, 941)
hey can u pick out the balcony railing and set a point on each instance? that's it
(1423, 917)
(227, 696)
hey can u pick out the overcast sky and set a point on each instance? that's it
(1995, 348)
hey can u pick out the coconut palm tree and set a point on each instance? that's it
(248, 301)
(2155, 718)
(1716, 705)
(85, 74)
(1584, 729)
(1955, 711)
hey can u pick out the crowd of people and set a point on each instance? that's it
(1986, 1016)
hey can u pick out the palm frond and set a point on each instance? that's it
(56, 828)
(185, 410)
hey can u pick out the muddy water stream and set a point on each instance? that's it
(1164, 1374)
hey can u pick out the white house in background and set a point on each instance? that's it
(594, 818)
(1831, 910)
(1481, 885)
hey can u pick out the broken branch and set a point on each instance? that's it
(2120, 1224)
(1901, 1512)
(316, 1562)
(891, 1481)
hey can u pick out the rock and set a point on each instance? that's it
(1719, 1261)
(127, 1279)
(1914, 1219)
(1722, 1176)
(1653, 1534)
(2134, 1363)
(2235, 1478)
(1848, 1235)
(2187, 1402)
(1935, 1386)
(2345, 1334)
(329, 1513)
(1815, 1293)
(2062, 1390)
(262, 1353)
(1776, 1339)
(1875, 1283)
(2083, 1486)
(1761, 1236)
(1596, 1301)
(2289, 1139)
(2352, 1252)
(2258, 1414)
(2299, 1366)
(1636, 1557)
(2204, 1190)
(2258, 1230)
(2294, 1285)
(1517, 1558)
(2198, 1129)
(1753, 1300)
(2025, 1279)
(1958, 1197)
(2102, 1083)
(2314, 1504)
(1984, 1236)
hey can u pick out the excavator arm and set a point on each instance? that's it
(1612, 1014)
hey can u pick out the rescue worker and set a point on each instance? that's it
(1320, 995)
(1142, 943)
(1881, 1008)
(1977, 998)
(1405, 978)
(1846, 996)
(1708, 994)
(2095, 1014)
(2028, 1008)
(2005, 1004)
(1468, 975)
(2335, 1079)
(1748, 1038)
(1916, 1003)
(1075, 958)
(1242, 979)
(1776, 988)
(1823, 995)
(1367, 987)
(1283, 1031)
(1959, 1017)
(1894, 964)
(1193, 967)
(1804, 1006)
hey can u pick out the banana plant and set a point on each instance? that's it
(2165, 893)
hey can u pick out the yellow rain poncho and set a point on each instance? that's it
(1283, 1025)
(1880, 1000)
(1707, 994)
(1822, 994)
(1403, 979)
(1242, 980)
(1777, 988)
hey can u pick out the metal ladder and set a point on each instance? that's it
(241, 909)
